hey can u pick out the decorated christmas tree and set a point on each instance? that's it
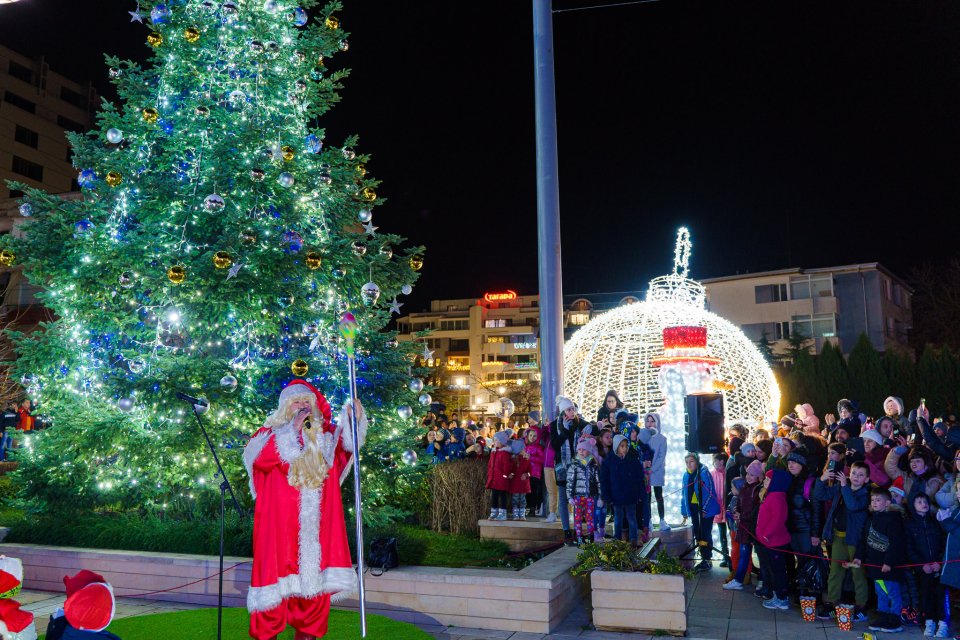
(217, 243)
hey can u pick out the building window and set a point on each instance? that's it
(21, 103)
(27, 294)
(495, 324)
(422, 326)
(21, 72)
(503, 305)
(891, 328)
(70, 125)
(496, 338)
(770, 293)
(16, 193)
(536, 303)
(781, 330)
(581, 305)
(454, 325)
(579, 318)
(26, 168)
(897, 295)
(822, 325)
(27, 137)
(72, 97)
(70, 155)
(804, 287)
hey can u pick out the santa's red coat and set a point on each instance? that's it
(300, 546)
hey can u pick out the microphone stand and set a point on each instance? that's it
(224, 487)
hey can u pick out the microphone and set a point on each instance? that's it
(182, 396)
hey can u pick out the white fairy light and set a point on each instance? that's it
(615, 351)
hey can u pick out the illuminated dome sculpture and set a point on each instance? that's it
(623, 349)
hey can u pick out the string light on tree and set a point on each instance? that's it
(618, 350)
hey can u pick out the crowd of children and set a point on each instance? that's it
(872, 500)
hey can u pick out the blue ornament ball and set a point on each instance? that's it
(82, 228)
(87, 179)
(160, 14)
(292, 240)
(314, 143)
(298, 17)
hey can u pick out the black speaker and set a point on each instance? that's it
(703, 422)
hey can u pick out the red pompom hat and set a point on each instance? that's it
(90, 604)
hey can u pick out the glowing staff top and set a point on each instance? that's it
(676, 287)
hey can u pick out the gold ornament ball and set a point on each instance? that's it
(362, 169)
(155, 39)
(150, 115)
(192, 34)
(313, 260)
(332, 22)
(416, 262)
(7, 257)
(299, 368)
(288, 153)
(369, 194)
(222, 260)
(114, 178)
(177, 274)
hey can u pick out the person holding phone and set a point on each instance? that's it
(841, 531)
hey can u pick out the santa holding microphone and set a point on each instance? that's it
(301, 560)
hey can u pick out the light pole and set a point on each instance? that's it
(548, 210)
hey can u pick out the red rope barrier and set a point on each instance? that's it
(150, 593)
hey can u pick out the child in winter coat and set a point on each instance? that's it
(718, 473)
(881, 548)
(499, 469)
(875, 455)
(773, 535)
(841, 531)
(748, 504)
(659, 465)
(519, 481)
(924, 547)
(583, 482)
(646, 459)
(454, 449)
(535, 449)
(699, 503)
(622, 485)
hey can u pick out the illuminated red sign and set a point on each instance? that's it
(500, 297)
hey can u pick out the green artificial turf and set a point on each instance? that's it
(201, 624)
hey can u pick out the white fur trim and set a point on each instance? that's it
(341, 581)
(343, 422)
(309, 543)
(293, 390)
(287, 439)
(250, 454)
(28, 633)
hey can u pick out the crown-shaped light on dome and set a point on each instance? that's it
(684, 344)
(677, 287)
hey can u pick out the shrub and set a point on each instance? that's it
(458, 495)
(617, 555)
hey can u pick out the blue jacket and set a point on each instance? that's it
(706, 494)
(452, 451)
(950, 571)
(856, 505)
(622, 480)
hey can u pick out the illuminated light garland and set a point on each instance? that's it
(618, 349)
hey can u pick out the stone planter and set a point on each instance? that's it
(625, 601)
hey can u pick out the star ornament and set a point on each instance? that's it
(136, 16)
(427, 354)
(369, 228)
(234, 270)
(395, 306)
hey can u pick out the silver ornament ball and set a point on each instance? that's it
(26, 209)
(365, 215)
(202, 409)
(114, 136)
(229, 383)
(286, 180)
(409, 457)
(406, 289)
(370, 294)
(213, 203)
(125, 405)
(405, 411)
(425, 399)
(271, 6)
(416, 385)
(504, 408)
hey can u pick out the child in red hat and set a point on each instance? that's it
(89, 609)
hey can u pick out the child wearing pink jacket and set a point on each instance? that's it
(773, 535)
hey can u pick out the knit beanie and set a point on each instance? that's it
(589, 445)
(873, 434)
(747, 447)
(563, 403)
(516, 446)
(503, 437)
(617, 439)
(798, 458)
(755, 469)
(535, 415)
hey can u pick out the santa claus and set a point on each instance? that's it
(301, 560)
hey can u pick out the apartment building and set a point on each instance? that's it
(833, 304)
(37, 107)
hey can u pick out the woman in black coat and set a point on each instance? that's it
(804, 513)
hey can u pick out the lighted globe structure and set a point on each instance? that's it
(623, 349)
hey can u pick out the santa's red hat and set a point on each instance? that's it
(298, 387)
(90, 602)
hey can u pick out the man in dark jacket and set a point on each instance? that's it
(622, 485)
(564, 432)
(841, 531)
(920, 422)
(924, 548)
(881, 548)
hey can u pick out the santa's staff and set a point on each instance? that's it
(348, 329)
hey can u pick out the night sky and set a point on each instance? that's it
(783, 133)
